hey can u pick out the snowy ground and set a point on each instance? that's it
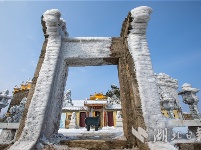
(104, 133)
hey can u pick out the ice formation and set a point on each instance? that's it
(16, 112)
(61, 52)
(189, 97)
(138, 48)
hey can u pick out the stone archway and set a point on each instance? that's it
(137, 83)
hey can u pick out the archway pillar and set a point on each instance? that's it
(44, 110)
(145, 100)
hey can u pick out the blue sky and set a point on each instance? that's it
(173, 34)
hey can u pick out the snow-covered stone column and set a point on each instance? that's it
(45, 107)
(148, 90)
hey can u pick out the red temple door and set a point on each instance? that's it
(110, 118)
(82, 118)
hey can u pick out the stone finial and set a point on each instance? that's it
(62, 25)
(52, 19)
(140, 17)
(55, 25)
(52, 15)
(141, 14)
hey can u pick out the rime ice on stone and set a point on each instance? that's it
(62, 25)
(167, 88)
(45, 108)
(15, 115)
(4, 97)
(16, 112)
(189, 97)
(55, 25)
(148, 90)
(60, 52)
(168, 103)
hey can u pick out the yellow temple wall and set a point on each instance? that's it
(78, 118)
(114, 117)
(166, 113)
(176, 114)
(67, 121)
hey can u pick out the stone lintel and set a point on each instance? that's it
(92, 51)
(75, 62)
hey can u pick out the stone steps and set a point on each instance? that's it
(96, 144)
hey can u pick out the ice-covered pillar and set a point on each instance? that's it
(148, 90)
(45, 108)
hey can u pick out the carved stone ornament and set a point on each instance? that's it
(189, 97)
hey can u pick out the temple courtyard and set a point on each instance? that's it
(102, 134)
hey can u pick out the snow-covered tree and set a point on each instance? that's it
(114, 95)
(16, 111)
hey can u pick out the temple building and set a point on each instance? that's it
(108, 108)
(16, 106)
(98, 105)
(20, 92)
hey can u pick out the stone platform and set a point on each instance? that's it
(90, 145)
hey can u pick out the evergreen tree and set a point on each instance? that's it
(114, 91)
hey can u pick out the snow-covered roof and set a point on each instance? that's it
(74, 108)
(79, 105)
(114, 106)
(96, 102)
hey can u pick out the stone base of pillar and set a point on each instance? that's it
(73, 124)
(119, 123)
